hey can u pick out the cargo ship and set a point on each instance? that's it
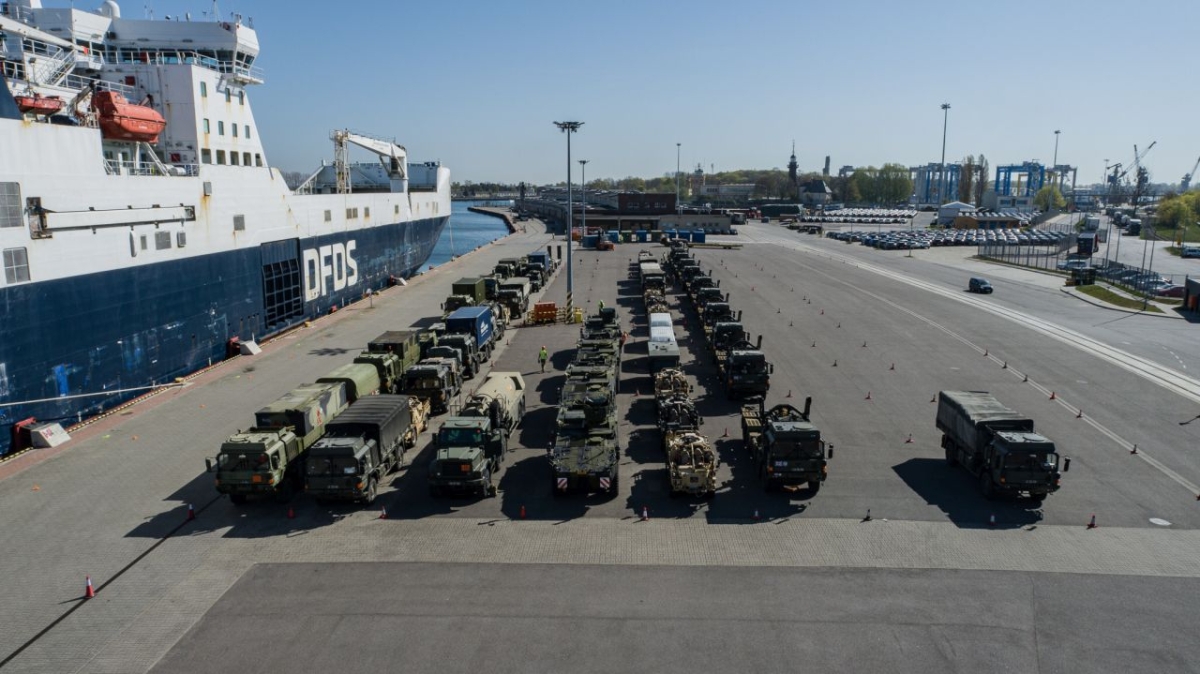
(144, 232)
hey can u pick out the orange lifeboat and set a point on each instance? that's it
(122, 120)
(38, 104)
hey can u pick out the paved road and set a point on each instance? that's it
(446, 618)
(113, 504)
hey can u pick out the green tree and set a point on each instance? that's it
(1049, 199)
(966, 180)
(895, 185)
(981, 185)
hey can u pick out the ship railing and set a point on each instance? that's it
(115, 167)
(237, 69)
(81, 82)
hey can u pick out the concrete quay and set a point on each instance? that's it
(926, 581)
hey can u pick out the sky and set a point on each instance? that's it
(478, 84)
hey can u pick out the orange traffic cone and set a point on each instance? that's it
(992, 520)
(814, 344)
(893, 367)
(726, 435)
(1053, 395)
(1134, 450)
(191, 513)
(789, 395)
(88, 590)
(868, 396)
(756, 516)
(835, 362)
(645, 514)
(522, 512)
(1092, 523)
(909, 440)
(383, 513)
(864, 344)
(1005, 366)
(291, 513)
(822, 312)
(985, 353)
(933, 399)
(1079, 415)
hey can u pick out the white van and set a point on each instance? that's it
(661, 320)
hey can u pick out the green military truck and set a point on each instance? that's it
(436, 380)
(998, 446)
(585, 453)
(744, 369)
(787, 447)
(403, 344)
(471, 445)
(360, 447)
(266, 460)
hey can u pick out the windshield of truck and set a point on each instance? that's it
(797, 449)
(249, 461)
(1031, 462)
(460, 437)
(749, 366)
(330, 466)
(423, 383)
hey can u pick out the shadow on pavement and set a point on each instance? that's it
(954, 492)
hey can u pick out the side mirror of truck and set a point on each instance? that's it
(208, 465)
(770, 368)
(1066, 464)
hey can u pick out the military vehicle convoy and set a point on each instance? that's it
(998, 446)
(434, 380)
(744, 369)
(471, 445)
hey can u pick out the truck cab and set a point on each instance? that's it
(726, 334)
(432, 380)
(717, 311)
(469, 453)
(468, 352)
(344, 467)
(747, 372)
(787, 446)
(404, 344)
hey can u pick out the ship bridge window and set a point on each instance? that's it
(245, 159)
(234, 129)
(247, 127)
(228, 95)
(162, 240)
(205, 156)
(220, 128)
(221, 157)
(233, 159)
(10, 205)
(204, 90)
(257, 159)
(239, 223)
(16, 265)
(328, 216)
(241, 98)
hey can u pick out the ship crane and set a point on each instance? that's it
(1186, 183)
(393, 157)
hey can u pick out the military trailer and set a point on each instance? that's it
(360, 447)
(998, 446)
(787, 447)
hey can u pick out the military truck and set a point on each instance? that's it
(998, 446)
(266, 460)
(723, 335)
(364, 378)
(691, 464)
(744, 370)
(389, 366)
(404, 344)
(603, 325)
(473, 287)
(787, 447)
(514, 293)
(468, 352)
(478, 323)
(671, 382)
(702, 297)
(656, 301)
(360, 447)
(702, 282)
(436, 380)
(501, 399)
(652, 275)
(468, 455)
(719, 311)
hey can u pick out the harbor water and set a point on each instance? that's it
(466, 232)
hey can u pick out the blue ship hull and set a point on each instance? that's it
(146, 325)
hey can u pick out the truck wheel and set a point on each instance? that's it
(237, 499)
(814, 486)
(371, 492)
(985, 485)
(951, 457)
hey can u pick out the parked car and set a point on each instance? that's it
(1169, 291)
(979, 285)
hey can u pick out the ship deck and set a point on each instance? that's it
(784, 577)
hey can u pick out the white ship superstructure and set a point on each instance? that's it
(133, 251)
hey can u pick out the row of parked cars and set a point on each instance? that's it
(872, 216)
(905, 239)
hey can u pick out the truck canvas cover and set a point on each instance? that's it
(965, 413)
(372, 417)
(361, 379)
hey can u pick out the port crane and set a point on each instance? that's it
(393, 157)
(1118, 175)
(1186, 183)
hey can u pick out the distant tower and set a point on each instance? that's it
(698, 180)
(826, 171)
(793, 167)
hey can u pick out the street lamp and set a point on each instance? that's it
(1054, 178)
(942, 170)
(583, 190)
(569, 128)
(678, 207)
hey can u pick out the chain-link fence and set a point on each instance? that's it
(1061, 256)
(1052, 255)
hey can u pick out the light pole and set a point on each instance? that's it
(1054, 164)
(583, 190)
(678, 207)
(569, 128)
(942, 170)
